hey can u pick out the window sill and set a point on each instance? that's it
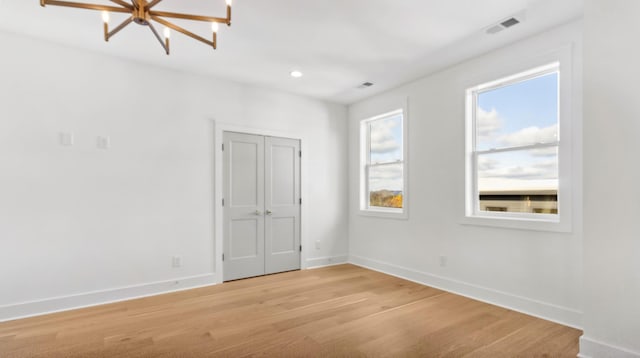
(384, 214)
(530, 224)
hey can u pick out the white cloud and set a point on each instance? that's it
(521, 170)
(530, 135)
(384, 145)
(502, 184)
(382, 138)
(540, 170)
(387, 177)
(545, 152)
(488, 124)
(485, 163)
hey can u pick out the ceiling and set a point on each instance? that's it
(337, 44)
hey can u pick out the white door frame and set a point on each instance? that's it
(218, 186)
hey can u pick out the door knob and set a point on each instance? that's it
(269, 212)
(258, 212)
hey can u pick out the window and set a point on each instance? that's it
(383, 168)
(514, 147)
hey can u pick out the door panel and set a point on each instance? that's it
(244, 204)
(245, 173)
(283, 238)
(244, 239)
(282, 195)
(283, 176)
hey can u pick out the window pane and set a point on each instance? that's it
(523, 113)
(386, 186)
(385, 138)
(523, 181)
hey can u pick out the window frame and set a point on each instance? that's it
(365, 166)
(559, 62)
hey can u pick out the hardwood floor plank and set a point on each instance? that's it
(341, 311)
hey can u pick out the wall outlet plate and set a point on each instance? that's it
(443, 261)
(103, 142)
(176, 261)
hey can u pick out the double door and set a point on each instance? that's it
(261, 205)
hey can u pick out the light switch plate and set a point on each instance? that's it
(65, 138)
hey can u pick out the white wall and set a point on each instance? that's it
(612, 177)
(80, 225)
(531, 271)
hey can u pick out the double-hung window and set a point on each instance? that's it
(383, 167)
(513, 147)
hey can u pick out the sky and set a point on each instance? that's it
(516, 115)
(386, 147)
(520, 114)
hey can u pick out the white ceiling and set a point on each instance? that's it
(338, 44)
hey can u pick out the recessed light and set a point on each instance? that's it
(296, 74)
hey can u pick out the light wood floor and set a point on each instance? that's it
(343, 311)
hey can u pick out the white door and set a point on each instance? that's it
(282, 204)
(262, 205)
(243, 205)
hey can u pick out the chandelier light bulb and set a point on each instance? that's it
(167, 33)
(214, 26)
(229, 2)
(105, 17)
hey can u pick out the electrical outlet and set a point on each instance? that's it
(443, 261)
(103, 142)
(176, 261)
(317, 244)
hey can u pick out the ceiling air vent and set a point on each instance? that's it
(510, 22)
(365, 85)
(506, 23)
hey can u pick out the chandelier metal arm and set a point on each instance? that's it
(124, 24)
(123, 4)
(140, 12)
(189, 17)
(183, 31)
(85, 6)
(152, 4)
(165, 43)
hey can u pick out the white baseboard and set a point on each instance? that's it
(88, 299)
(563, 315)
(317, 262)
(591, 348)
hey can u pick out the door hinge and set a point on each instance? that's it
(222, 256)
(300, 153)
(300, 201)
(223, 147)
(222, 201)
(300, 248)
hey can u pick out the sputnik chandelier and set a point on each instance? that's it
(142, 13)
